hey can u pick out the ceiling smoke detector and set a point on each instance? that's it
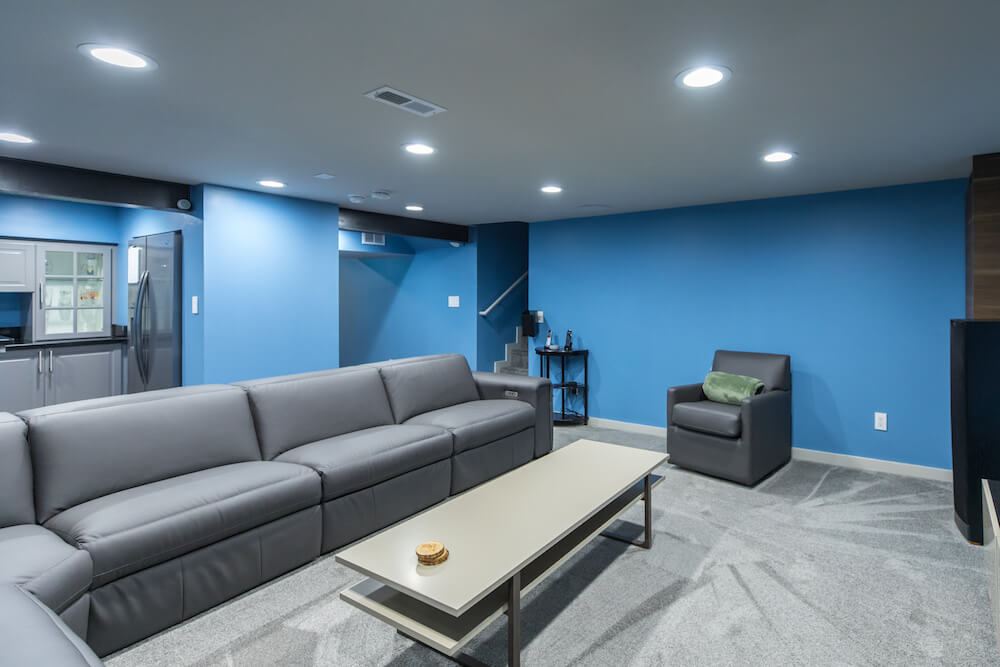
(404, 101)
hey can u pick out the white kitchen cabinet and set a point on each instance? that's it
(75, 291)
(17, 266)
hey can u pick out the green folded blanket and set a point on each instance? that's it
(728, 388)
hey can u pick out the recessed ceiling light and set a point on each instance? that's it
(778, 156)
(414, 207)
(271, 184)
(418, 149)
(551, 189)
(117, 56)
(15, 138)
(704, 76)
(324, 176)
(356, 199)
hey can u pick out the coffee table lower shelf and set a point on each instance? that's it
(449, 634)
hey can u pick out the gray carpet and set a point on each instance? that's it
(818, 565)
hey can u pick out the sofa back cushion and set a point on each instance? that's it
(88, 449)
(774, 370)
(16, 504)
(422, 384)
(294, 410)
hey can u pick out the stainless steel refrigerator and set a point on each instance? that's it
(154, 312)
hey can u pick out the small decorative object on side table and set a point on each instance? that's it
(564, 416)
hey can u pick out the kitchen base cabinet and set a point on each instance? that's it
(81, 372)
(35, 377)
(22, 380)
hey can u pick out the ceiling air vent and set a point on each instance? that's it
(401, 100)
(370, 238)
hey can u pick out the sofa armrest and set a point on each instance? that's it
(534, 390)
(32, 634)
(685, 393)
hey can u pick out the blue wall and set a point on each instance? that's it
(54, 219)
(392, 307)
(271, 284)
(12, 309)
(858, 287)
(142, 222)
(502, 257)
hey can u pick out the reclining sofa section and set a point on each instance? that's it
(127, 515)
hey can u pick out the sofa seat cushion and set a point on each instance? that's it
(477, 423)
(131, 530)
(709, 417)
(355, 461)
(40, 562)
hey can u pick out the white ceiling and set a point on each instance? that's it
(576, 92)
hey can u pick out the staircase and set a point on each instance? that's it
(516, 357)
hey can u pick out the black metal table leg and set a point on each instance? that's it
(647, 500)
(514, 621)
(562, 381)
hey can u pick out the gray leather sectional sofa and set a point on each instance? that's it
(123, 516)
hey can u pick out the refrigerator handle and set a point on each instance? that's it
(139, 342)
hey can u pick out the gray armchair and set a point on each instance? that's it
(743, 443)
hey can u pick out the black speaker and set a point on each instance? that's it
(529, 324)
(975, 418)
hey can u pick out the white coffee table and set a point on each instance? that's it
(504, 537)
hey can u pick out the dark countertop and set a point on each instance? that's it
(66, 342)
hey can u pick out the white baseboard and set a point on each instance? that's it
(873, 465)
(813, 455)
(628, 426)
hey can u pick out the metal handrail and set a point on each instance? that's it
(524, 276)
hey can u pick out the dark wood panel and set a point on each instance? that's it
(40, 179)
(983, 239)
(986, 165)
(382, 223)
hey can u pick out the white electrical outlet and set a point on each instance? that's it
(881, 421)
(453, 302)
(540, 316)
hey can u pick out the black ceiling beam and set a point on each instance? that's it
(382, 223)
(986, 166)
(24, 177)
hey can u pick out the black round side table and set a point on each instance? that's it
(565, 417)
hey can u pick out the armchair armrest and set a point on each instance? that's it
(534, 390)
(685, 393)
(767, 427)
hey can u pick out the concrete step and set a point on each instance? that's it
(511, 370)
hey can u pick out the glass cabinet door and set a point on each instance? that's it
(74, 283)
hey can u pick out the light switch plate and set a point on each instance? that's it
(881, 421)
(453, 302)
(194, 305)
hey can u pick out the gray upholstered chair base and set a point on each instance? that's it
(707, 439)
